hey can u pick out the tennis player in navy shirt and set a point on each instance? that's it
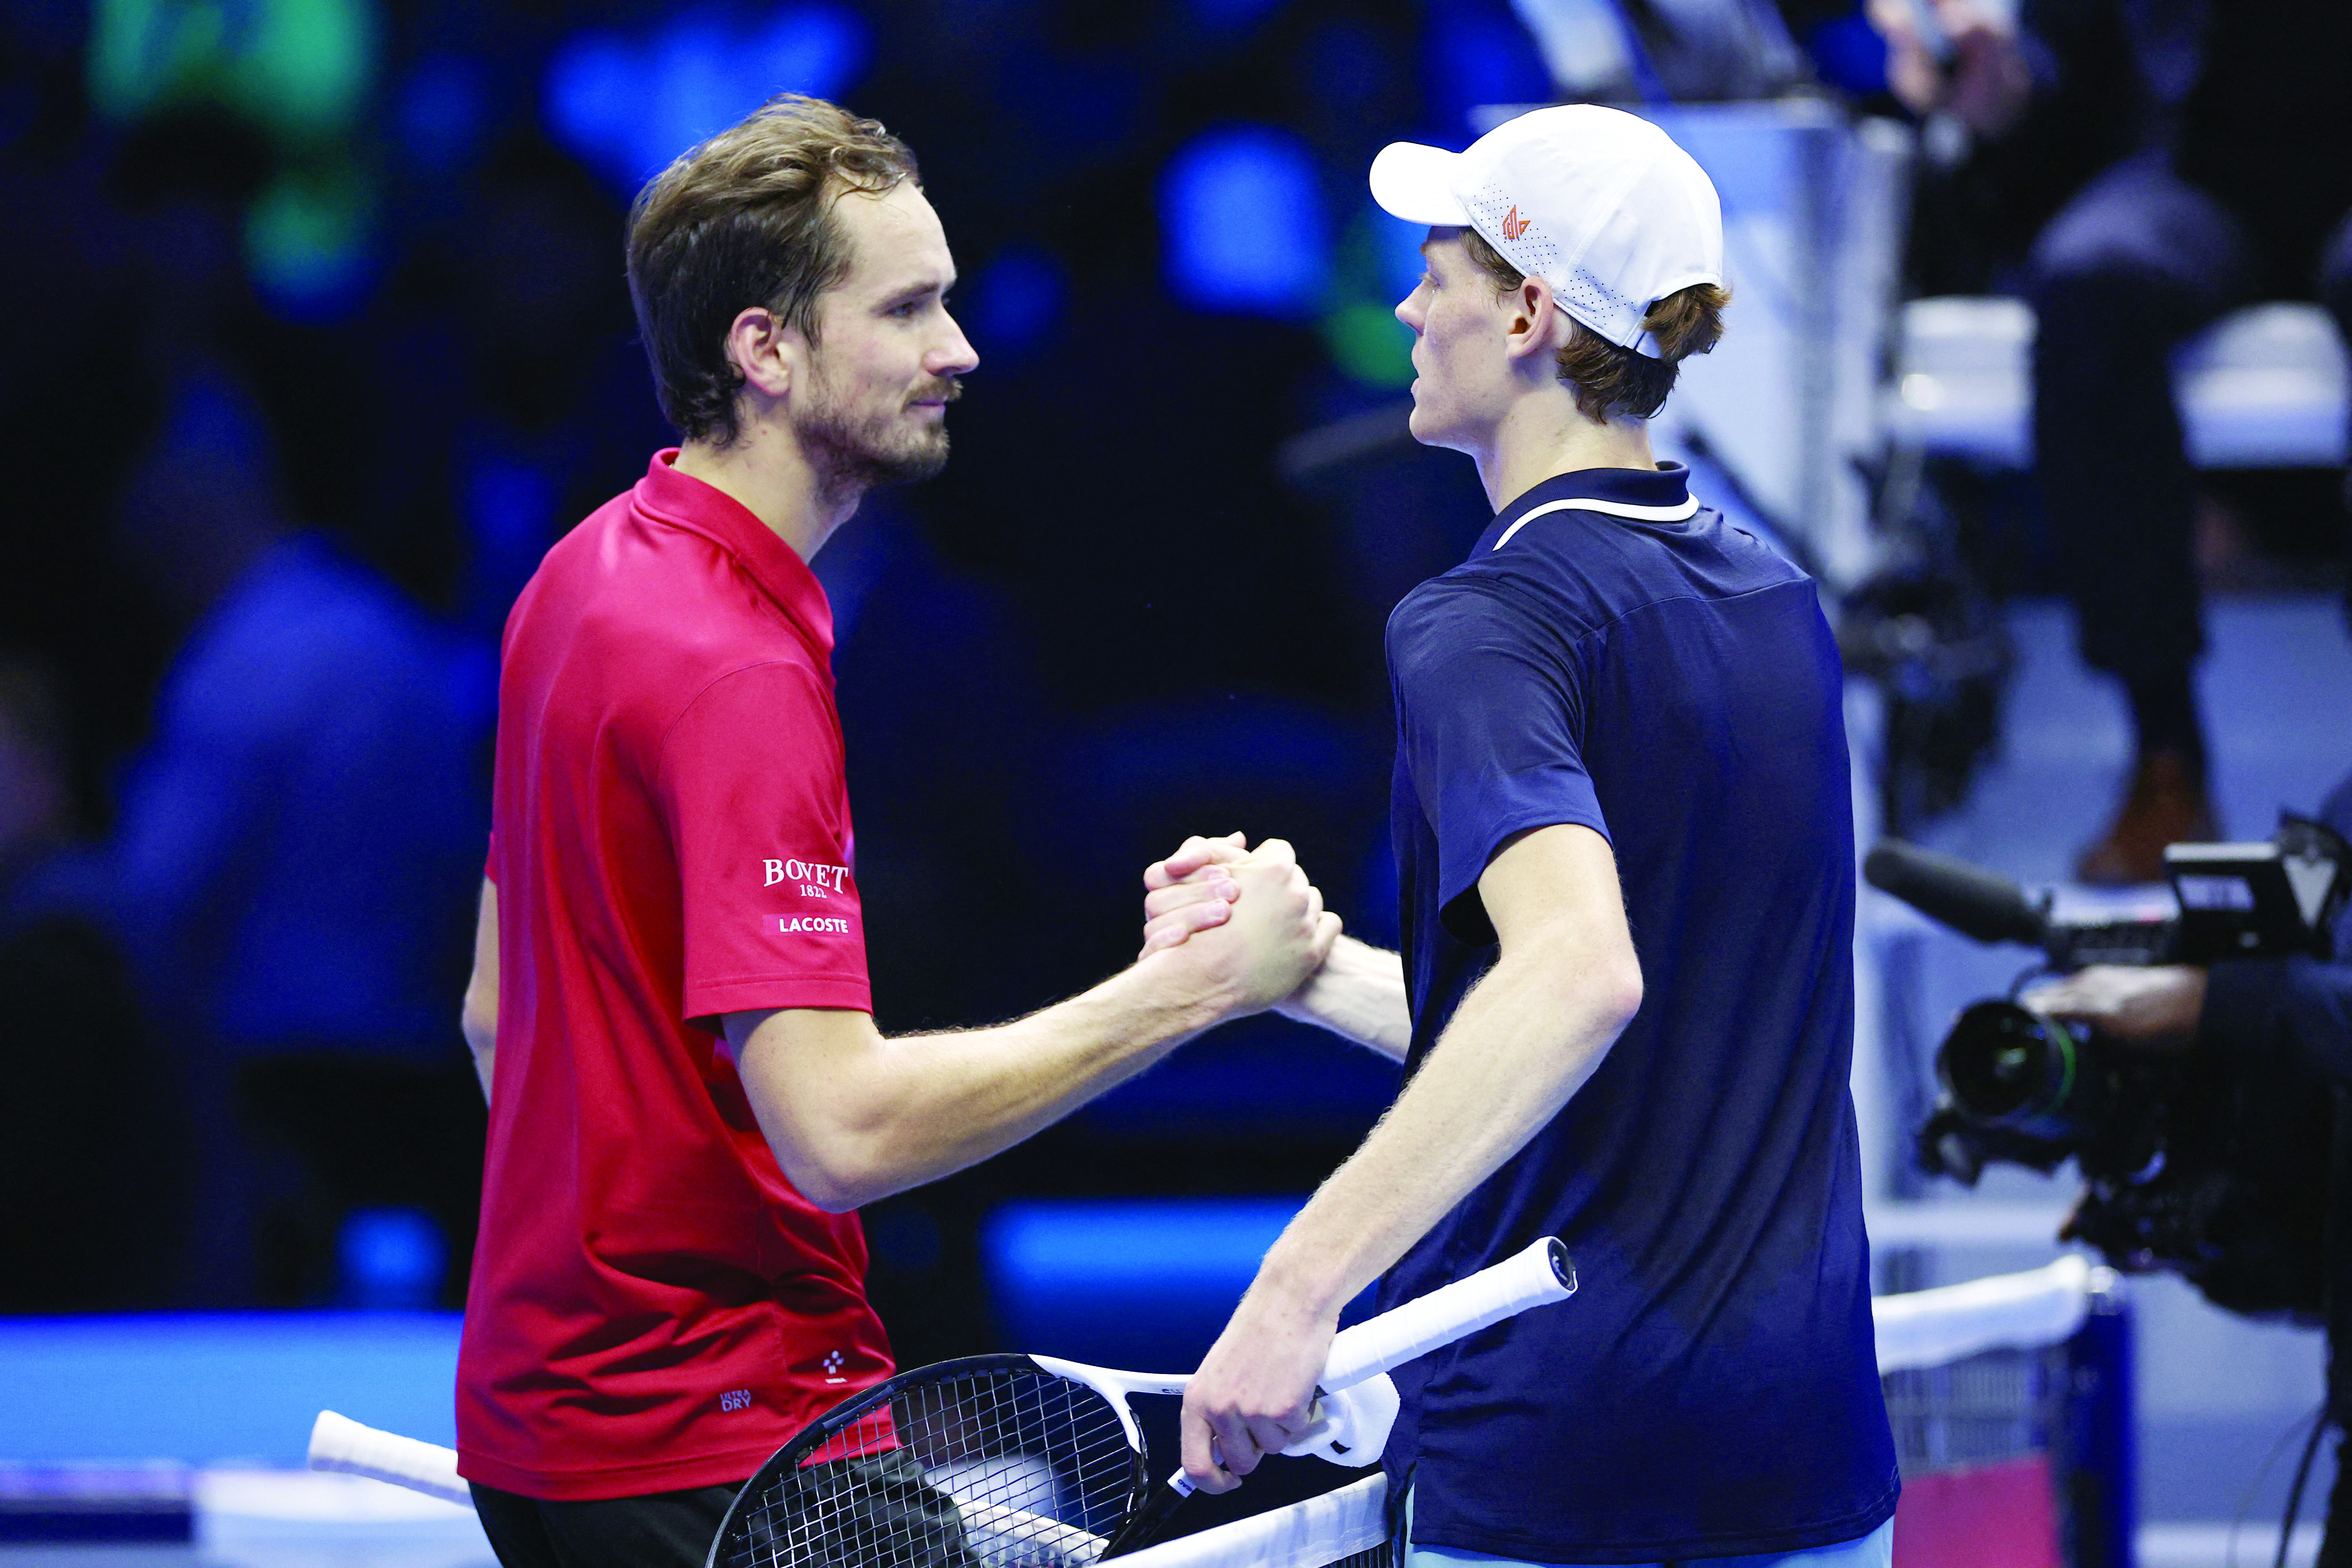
(1625, 1002)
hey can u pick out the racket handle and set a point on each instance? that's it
(1540, 1274)
(339, 1443)
(1351, 1427)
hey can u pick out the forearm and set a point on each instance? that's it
(1519, 1047)
(894, 1114)
(1359, 995)
(963, 1096)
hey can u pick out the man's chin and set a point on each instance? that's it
(1425, 425)
(910, 465)
(850, 465)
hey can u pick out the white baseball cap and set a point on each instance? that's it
(1599, 204)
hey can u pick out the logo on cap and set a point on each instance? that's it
(1513, 224)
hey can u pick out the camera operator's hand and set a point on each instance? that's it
(2156, 1007)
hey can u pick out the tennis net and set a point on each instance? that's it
(1986, 1383)
(1343, 1529)
(2010, 1401)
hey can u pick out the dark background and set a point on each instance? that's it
(311, 270)
(317, 338)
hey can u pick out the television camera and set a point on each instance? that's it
(2187, 1164)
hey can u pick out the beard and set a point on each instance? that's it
(853, 453)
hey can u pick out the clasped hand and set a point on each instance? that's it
(1267, 946)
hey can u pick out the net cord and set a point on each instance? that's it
(2039, 1307)
(1322, 1530)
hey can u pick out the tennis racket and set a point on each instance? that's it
(1016, 1461)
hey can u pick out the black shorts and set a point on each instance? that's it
(661, 1529)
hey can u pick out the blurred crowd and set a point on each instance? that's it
(319, 337)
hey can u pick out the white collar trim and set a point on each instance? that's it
(1683, 513)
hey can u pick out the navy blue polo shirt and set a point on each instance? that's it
(1616, 655)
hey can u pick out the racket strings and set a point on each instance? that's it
(1003, 1468)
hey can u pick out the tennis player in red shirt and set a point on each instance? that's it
(669, 1008)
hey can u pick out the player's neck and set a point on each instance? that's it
(765, 470)
(1541, 436)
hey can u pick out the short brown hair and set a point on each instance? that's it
(1606, 379)
(746, 219)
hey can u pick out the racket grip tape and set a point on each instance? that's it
(1540, 1274)
(339, 1443)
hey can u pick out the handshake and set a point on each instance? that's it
(1247, 925)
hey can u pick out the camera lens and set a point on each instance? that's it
(2006, 1066)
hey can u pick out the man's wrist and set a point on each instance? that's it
(1191, 999)
(1311, 1003)
(1304, 1279)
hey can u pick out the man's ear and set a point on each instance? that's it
(767, 352)
(1538, 324)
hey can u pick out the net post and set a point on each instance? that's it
(2097, 1447)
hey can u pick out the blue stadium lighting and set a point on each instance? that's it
(1396, 248)
(1168, 1243)
(1233, 15)
(440, 110)
(1478, 53)
(1138, 1282)
(1851, 54)
(1015, 302)
(392, 1259)
(1243, 227)
(627, 105)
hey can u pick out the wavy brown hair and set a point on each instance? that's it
(1609, 381)
(745, 219)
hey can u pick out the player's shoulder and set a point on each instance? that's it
(1533, 588)
(641, 619)
(1465, 615)
(1744, 559)
(640, 582)
(782, 708)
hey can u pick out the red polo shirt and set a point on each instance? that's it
(653, 1305)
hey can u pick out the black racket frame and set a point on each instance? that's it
(858, 1406)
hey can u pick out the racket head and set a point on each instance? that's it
(986, 1462)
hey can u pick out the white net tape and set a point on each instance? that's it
(1322, 1530)
(2040, 1307)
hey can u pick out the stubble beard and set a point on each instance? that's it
(852, 455)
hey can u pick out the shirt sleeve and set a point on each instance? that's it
(751, 781)
(2293, 1014)
(1490, 720)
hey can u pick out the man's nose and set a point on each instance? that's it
(955, 356)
